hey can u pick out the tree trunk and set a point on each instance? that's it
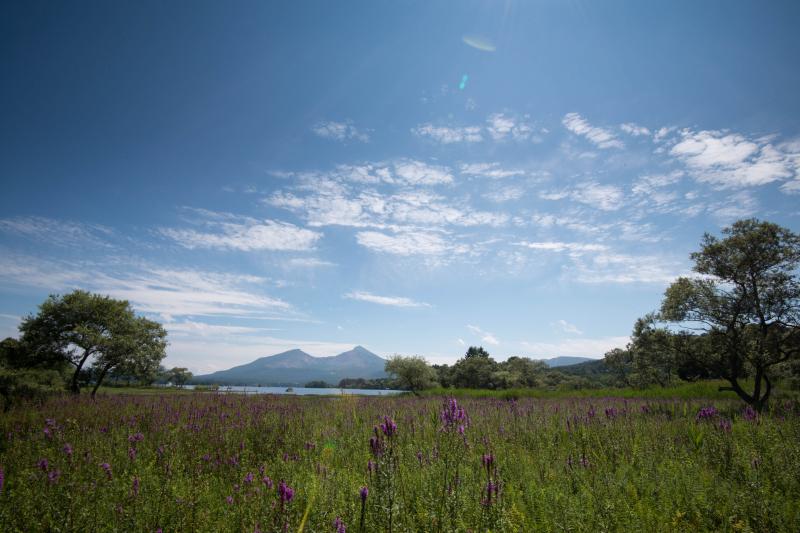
(100, 380)
(74, 387)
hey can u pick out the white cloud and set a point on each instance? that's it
(406, 243)
(485, 336)
(62, 233)
(340, 131)
(595, 348)
(323, 201)
(601, 137)
(555, 246)
(505, 194)
(499, 127)
(566, 327)
(489, 170)
(394, 301)
(247, 235)
(502, 126)
(634, 129)
(603, 197)
(735, 206)
(308, 262)
(152, 289)
(608, 267)
(732, 160)
(449, 135)
(413, 172)
(649, 184)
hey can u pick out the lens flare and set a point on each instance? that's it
(480, 42)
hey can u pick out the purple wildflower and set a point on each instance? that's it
(68, 450)
(48, 433)
(2, 479)
(132, 453)
(135, 487)
(248, 478)
(267, 481)
(725, 425)
(229, 500)
(750, 414)
(706, 413)
(453, 416)
(107, 469)
(43, 464)
(339, 525)
(53, 475)
(285, 492)
(136, 437)
(363, 492)
(388, 427)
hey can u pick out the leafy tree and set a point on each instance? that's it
(136, 351)
(179, 376)
(650, 357)
(519, 372)
(81, 327)
(747, 304)
(475, 351)
(475, 370)
(412, 373)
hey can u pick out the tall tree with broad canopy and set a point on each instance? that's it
(84, 328)
(747, 304)
(412, 373)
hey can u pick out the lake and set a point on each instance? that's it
(303, 391)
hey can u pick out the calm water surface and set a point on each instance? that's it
(303, 391)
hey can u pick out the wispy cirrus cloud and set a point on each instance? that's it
(634, 129)
(599, 196)
(448, 134)
(492, 170)
(226, 231)
(498, 127)
(566, 327)
(407, 243)
(485, 336)
(571, 247)
(152, 289)
(62, 233)
(339, 131)
(393, 301)
(600, 137)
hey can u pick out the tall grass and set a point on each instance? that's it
(215, 462)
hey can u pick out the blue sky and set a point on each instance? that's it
(414, 177)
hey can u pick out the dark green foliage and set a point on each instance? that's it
(747, 305)
(361, 383)
(318, 384)
(81, 327)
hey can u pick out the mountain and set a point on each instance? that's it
(565, 361)
(296, 367)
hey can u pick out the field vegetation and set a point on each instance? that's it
(217, 462)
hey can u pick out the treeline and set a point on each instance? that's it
(478, 370)
(738, 320)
